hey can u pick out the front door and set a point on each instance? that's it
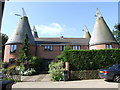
(47, 62)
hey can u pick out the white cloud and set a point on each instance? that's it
(50, 30)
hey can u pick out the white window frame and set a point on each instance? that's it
(76, 47)
(13, 48)
(48, 47)
(108, 46)
(62, 47)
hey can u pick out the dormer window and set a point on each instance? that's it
(13, 48)
(108, 46)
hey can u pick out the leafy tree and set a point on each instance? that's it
(116, 32)
(28, 64)
(63, 56)
(3, 40)
(24, 51)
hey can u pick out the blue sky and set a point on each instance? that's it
(53, 19)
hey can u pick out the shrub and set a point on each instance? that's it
(5, 64)
(24, 71)
(30, 71)
(56, 70)
(92, 59)
(11, 70)
(36, 63)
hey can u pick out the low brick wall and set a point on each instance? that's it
(83, 75)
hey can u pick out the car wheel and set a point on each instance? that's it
(117, 78)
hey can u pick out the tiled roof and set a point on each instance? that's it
(62, 41)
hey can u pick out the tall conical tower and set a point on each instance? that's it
(15, 41)
(34, 32)
(87, 34)
(102, 37)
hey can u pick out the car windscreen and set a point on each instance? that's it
(113, 67)
(118, 67)
(107, 67)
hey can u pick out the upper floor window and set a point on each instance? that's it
(108, 46)
(13, 48)
(48, 48)
(62, 47)
(76, 47)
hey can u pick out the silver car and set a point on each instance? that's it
(111, 73)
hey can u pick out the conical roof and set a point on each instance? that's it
(34, 32)
(101, 33)
(87, 34)
(20, 31)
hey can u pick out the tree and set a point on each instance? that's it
(63, 56)
(3, 40)
(25, 51)
(116, 32)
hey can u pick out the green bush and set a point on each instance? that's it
(5, 64)
(24, 71)
(36, 63)
(56, 70)
(92, 59)
(32, 66)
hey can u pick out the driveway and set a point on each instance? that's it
(44, 82)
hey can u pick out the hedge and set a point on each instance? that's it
(92, 59)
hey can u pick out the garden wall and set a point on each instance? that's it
(84, 75)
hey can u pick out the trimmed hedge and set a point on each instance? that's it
(92, 59)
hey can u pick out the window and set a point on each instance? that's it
(119, 67)
(13, 48)
(62, 47)
(108, 46)
(48, 48)
(12, 60)
(76, 47)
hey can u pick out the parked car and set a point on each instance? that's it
(111, 73)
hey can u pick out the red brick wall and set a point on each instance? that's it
(51, 54)
(48, 54)
(115, 45)
(8, 55)
(103, 46)
(39, 51)
(85, 47)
